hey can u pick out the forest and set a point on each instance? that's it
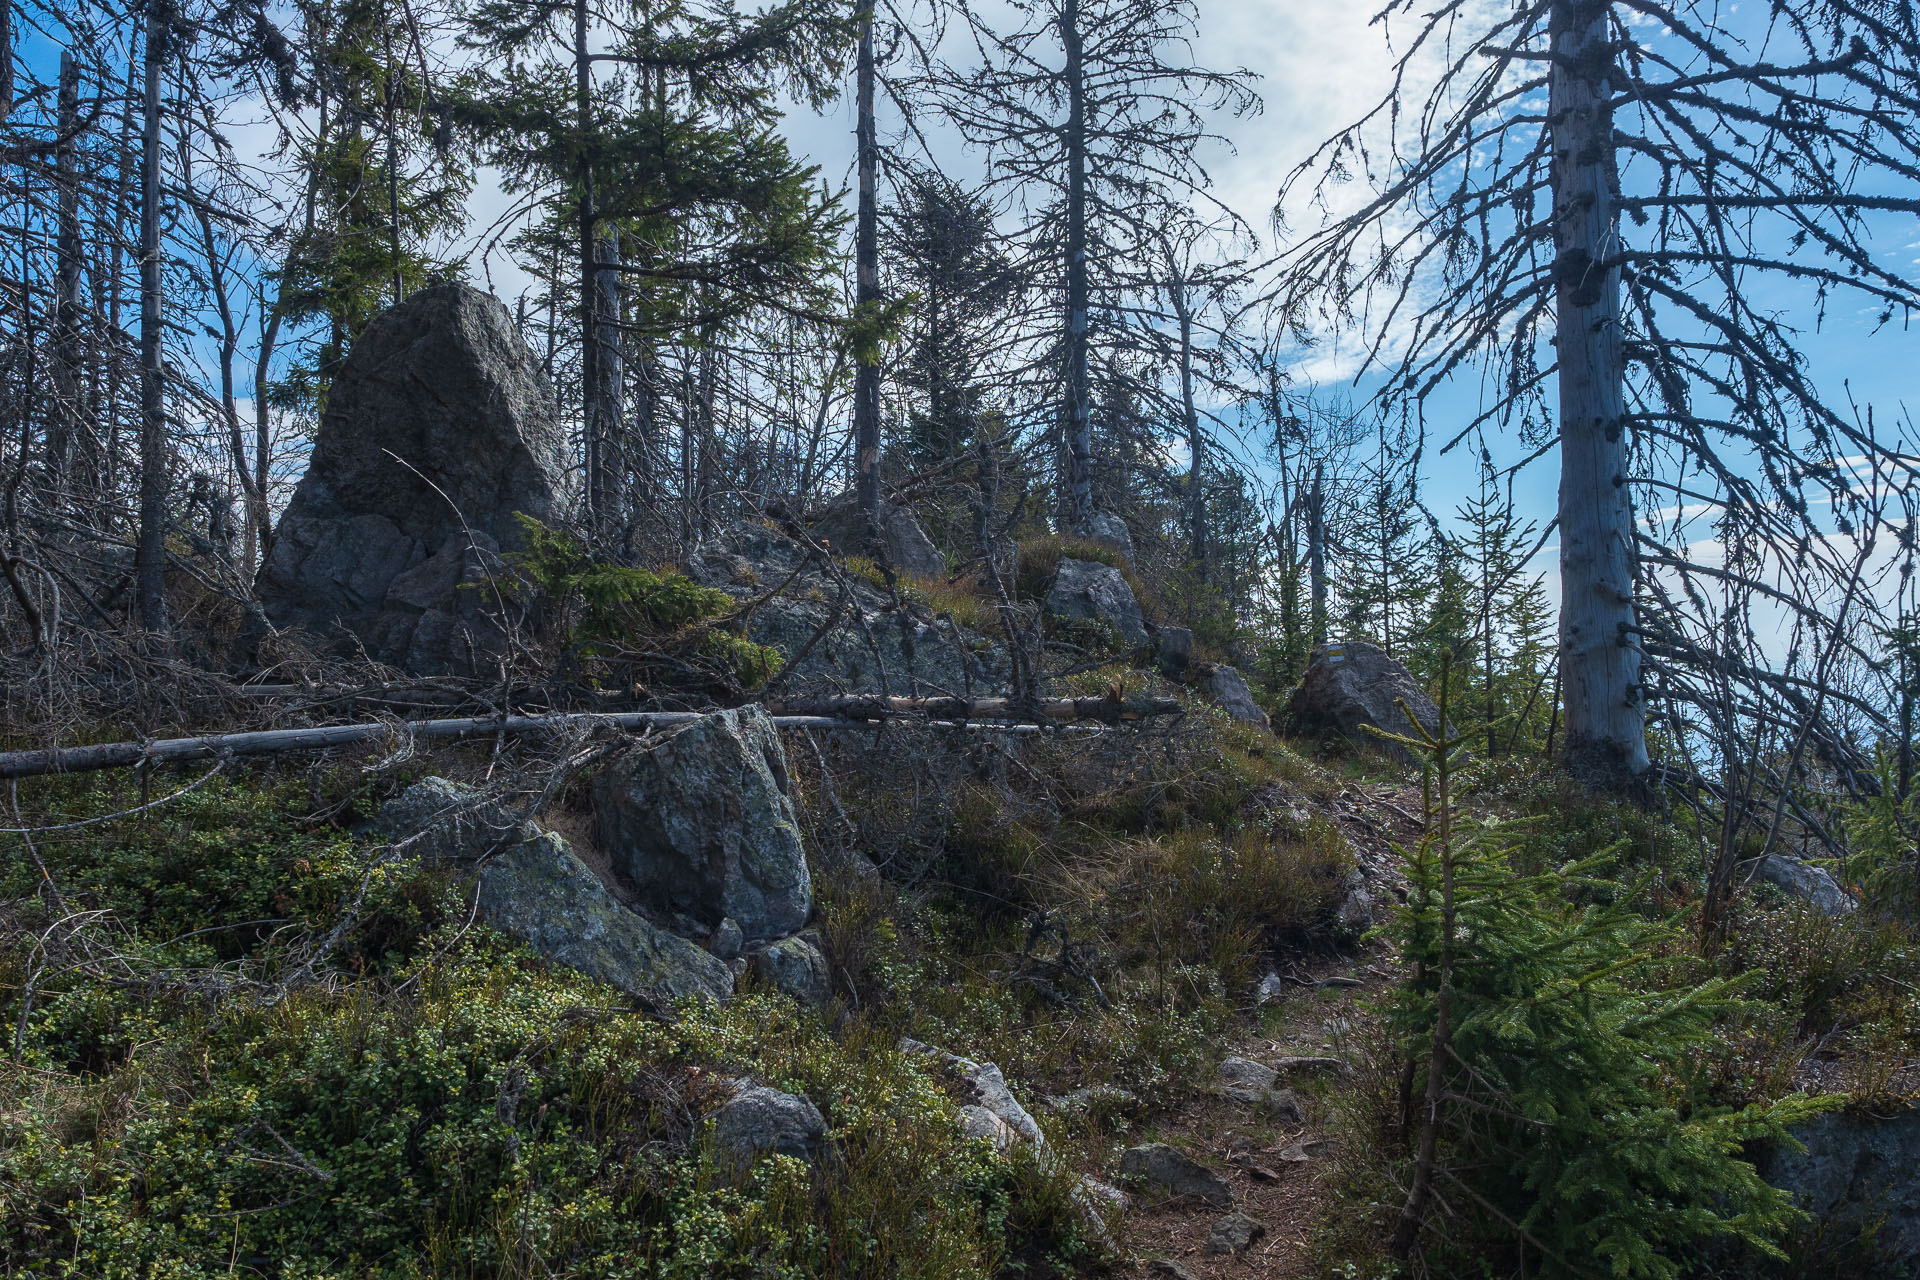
(959, 638)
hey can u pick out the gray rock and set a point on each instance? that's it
(439, 429)
(987, 1089)
(1088, 593)
(535, 889)
(1100, 1204)
(758, 1121)
(1857, 1170)
(1235, 1233)
(1271, 988)
(1173, 650)
(796, 967)
(1245, 1080)
(1812, 885)
(1348, 686)
(907, 546)
(1170, 1269)
(976, 1122)
(701, 825)
(1177, 1172)
(727, 941)
(1355, 914)
(1229, 691)
(862, 637)
(1109, 530)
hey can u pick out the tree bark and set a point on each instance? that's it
(1190, 418)
(596, 429)
(68, 416)
(1078, 382)
(1599, 642)
(1317, 552)
(150, 554)
(866, 374)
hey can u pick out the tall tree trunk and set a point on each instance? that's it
(6, 60)
(596, 427)
(1599, 646)
(866, 374)
(68, 414)
(1079, 383)
(150, 564)
(1190, 418)
(610, 377)
(1317, 552)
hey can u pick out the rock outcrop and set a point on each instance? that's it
(991, 1110)
(533, 887)
(1858, 1170)
(840, 634)
(1352, 685)
(439, 428)
(1088, 594)
(701, 826)
(908, 548)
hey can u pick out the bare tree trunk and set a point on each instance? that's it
(1599, 645)
(1190, 417)
(67, 411)
(6, 60)
(150, 563)
(1317, 552)
(609, 384)
(596, 427)
(866, 374)
(1079, 388)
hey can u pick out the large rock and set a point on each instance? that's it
(439, 429)
(1088, 593)
(701, 826)
(840, 634)
(907, 546)
(1352, 685)
(1857, 1170)
(991, 1110)
(534, 888)
(1812, 885)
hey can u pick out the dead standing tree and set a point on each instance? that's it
(1586, 212)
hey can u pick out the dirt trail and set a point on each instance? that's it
(1278, 1172)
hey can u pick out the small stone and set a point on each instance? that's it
(1235, 1233)
(1304, 1150)
(760, 1121)
(1285, 1106)
(1271, 988)
(1174, 1170)
(1245, 1080)
(727, 940)
(795, 967)
(1172, 1270)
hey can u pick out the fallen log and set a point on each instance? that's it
(1107, 710)
(126, 755)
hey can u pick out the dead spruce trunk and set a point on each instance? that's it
(1599, 645)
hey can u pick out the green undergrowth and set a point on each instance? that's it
(241, 1043)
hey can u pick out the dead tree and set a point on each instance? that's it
(1581, 208)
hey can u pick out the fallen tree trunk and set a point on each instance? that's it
(125, 755)
(869, 707)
